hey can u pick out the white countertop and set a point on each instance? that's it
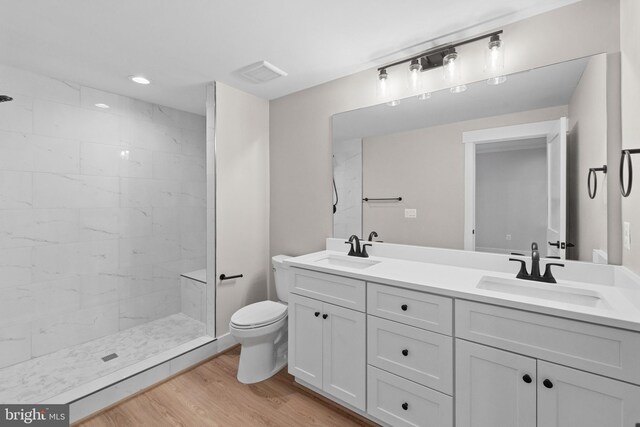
(621, 310)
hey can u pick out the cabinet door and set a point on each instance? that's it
(345, 365)
(305, 339)
(494, 387)
(572, 398)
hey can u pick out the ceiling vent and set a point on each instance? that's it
(261, 72)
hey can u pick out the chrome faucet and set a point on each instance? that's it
(535, 267)
(355, 249)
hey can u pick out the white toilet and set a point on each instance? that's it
(261, 329)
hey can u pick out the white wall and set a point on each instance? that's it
(242, 201)
(347, 172)
(586, 148)
(426, 168)
(100, 212)
(511, 199)
(300, 123)
(630, 58)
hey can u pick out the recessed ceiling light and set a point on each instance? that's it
(139, 79)
(101, 105)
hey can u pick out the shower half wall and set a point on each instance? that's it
(101, 211)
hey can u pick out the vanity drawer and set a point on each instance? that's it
(599, 349)
(400, 402)
(420, 309)
(421, 356)
(338, 290)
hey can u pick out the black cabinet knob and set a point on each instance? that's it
(547, 383)
(527, 379)
(317, 313)
(324, 316)
(404, 307)
(405, 406)
(405, 352)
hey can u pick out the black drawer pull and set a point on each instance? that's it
(324, 316)
(225, 277)
(404, 307)
(547, 383)
(405, 406)
(317, 313)
(527, 379)
(405, 352)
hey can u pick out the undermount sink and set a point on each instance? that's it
(346, 261)
(545, 291)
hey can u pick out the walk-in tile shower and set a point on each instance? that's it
(102, 209)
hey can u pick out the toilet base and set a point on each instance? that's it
(262, 356)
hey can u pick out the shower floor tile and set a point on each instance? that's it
(44, 377)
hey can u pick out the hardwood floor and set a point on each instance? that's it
(210, 395)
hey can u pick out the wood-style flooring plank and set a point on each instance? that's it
(210, 395)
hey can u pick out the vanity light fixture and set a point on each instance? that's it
(382, 83)
(452, 68)
(447, 57)
(101, 105)
(414, 74)
(424, 96)
(393, 103)
(494, 60)
(140, 80)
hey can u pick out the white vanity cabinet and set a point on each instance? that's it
(499, 387)
(327, 343)
(402, 357)
(410, 357)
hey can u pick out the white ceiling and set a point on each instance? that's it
(183, 44)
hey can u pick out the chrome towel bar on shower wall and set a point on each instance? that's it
(627, 154)
(592, 171)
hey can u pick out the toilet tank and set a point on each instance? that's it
(280, 275)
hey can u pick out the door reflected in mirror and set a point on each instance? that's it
(491, 169)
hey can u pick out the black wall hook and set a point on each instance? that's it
(626, 154)
(592, 171)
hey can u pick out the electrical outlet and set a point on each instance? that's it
(508, 237)
(626, 235)
(410, 213)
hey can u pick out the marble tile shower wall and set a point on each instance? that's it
(100, 211)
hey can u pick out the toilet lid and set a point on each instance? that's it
(258, 314)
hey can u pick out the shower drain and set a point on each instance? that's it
(109, 357)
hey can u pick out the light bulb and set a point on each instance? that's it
(383, 84)
(451, 68)
(494, 60)
(393, 103)
(424, 96)
(413, 78)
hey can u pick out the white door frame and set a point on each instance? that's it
(486, 136)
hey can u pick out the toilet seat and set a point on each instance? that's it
(259, 314)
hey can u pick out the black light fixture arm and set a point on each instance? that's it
(626, 154)
(442, 49)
